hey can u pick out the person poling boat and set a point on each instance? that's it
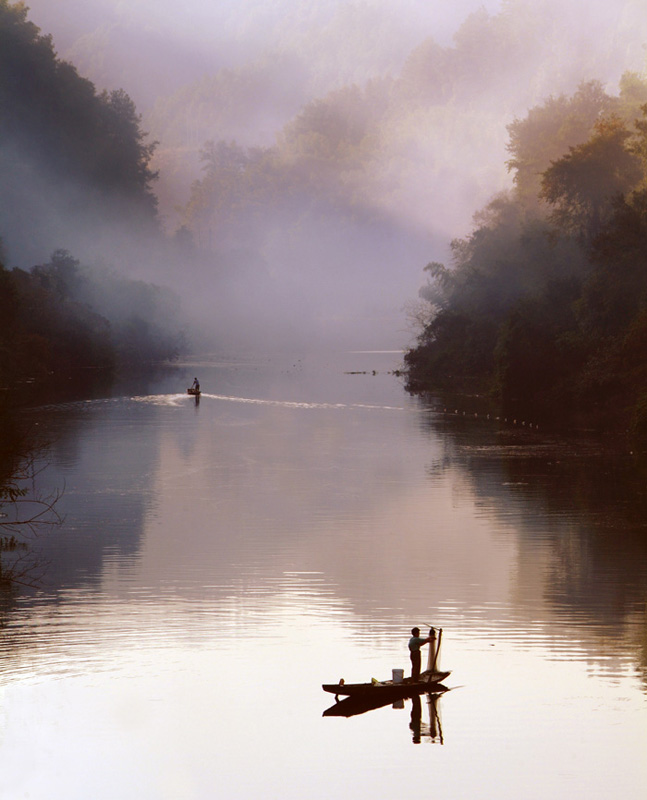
(195, 388)
(415, 643)
(428, 681)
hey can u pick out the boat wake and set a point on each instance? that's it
(181, 399)
(297, 404)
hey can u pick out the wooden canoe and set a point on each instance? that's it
(194, 392)
(428, 680)
(361, 703)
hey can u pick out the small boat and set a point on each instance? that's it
(370, 701)
(193, 392)
(429, 681)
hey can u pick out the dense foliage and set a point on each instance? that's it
(74, 163)
(49, 115)
(545, 303)
(61, 318)
(390, 162)
(440, 113)
(71, 155)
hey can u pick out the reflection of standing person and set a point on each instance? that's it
(415, 643)
(416, 718)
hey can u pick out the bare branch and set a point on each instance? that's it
(24, 514)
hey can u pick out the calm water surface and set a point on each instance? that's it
(220, 561)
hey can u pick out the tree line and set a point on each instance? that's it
(544, 305)
(51, 116)
(399, 149)
(62, 318)
(68, 153)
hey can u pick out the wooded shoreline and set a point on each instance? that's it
(544, 306)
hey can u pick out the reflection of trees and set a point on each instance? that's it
(595, 506)
(25, 511)
(106, 468)
(587, 504)
(75, 446)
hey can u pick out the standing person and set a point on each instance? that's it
(415, 643)
(196, 385)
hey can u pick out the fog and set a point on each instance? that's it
(370, 133)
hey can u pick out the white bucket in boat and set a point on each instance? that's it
(398, 675)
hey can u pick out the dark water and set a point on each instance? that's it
(220, 561)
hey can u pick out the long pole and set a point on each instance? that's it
(431, 655)
(437, 650)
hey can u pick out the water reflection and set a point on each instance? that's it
(218, 559)
(103, 457)
(578, 514)
(429, 729)
(271, 481)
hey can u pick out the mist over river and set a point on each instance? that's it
(219, 560)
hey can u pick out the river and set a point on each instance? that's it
(219, 561)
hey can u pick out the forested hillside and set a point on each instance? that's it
(242, 71)
(545, 301)
(436, 140)
(77, 162)
(61, 319)
(69, 156)
(309, 162)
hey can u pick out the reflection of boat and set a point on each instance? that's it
(429, 681)
(430, 731)
(387, 695)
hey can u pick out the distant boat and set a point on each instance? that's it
(430, 681)
(194, 392)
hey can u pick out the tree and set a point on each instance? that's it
(547, 133)
(62, 141)
(125, 162)
(582, 186)
(616, 288)
(638, 145)
(548, 311)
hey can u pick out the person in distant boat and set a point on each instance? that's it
(196, 385)
(415, 643)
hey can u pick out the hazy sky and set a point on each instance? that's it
(439, 164)
(248, 19)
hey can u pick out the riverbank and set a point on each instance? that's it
(616, 423)
(86, 384)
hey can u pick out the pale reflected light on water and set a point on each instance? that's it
(221, 560)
